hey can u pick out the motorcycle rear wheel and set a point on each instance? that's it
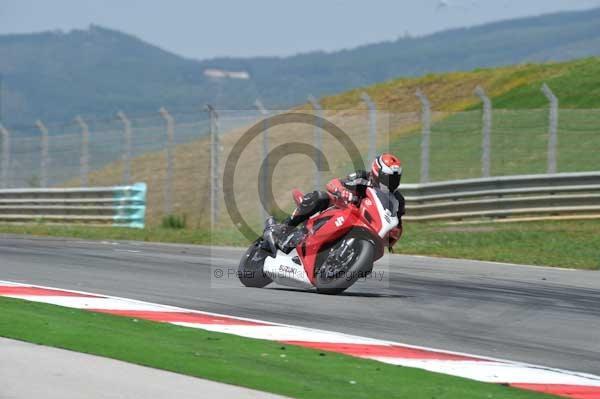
(360, 266)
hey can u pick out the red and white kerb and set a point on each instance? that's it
(525, 376)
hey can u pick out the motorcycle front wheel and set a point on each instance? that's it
(341, 265)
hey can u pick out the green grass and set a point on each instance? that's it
(577, 86)
(174, 222)
(576, 83)
(571, 244)
(520, 119)
(262, 365)
(519, 144)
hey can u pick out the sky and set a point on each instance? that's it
(205, 29)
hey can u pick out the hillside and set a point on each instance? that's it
(95, 72)
(519, 136)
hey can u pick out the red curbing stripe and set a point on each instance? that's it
(175, 317)
(371, 350)
(569, 391)
(34, 291)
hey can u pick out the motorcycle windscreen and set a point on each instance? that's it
(388, 201)
(388, 209)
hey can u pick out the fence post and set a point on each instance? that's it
(214, 164)
(318, 139)
(266, 208)
(426, 134)
(372, 126)
(127, 150)
(5, 156)
(44, 154)
(553, 130)
(486, 132)
(84, 159)
(170, 145)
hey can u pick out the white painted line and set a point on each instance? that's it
(11, 284)
(282, 333)
(79, 302)
(491, 262)
(495, 372)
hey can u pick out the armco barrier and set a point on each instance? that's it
(538, 196)
(117, 206)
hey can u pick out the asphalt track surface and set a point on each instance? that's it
(538, 315)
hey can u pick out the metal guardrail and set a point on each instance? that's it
(116, 206)
(539, 196)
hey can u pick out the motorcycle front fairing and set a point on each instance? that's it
(385, 205)
(328, 226)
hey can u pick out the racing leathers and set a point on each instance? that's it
(351, 189)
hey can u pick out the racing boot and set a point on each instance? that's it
(269, 240)
(282, 235)
(292, 239)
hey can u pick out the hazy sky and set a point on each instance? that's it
(204, 29)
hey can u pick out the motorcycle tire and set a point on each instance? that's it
(361, 267)
(250, 269)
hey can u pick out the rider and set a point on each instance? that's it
(386, 172)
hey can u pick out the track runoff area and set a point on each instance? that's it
(520, 375)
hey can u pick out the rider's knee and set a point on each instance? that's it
(322, 200)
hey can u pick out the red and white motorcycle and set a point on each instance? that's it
(337, 246)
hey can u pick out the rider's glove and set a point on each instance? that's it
(348, 196)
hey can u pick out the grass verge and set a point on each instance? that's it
(263, 365)
(568, 243)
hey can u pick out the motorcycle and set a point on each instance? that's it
(331, 251)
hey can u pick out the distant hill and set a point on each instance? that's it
(98, 71)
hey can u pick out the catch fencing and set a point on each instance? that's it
(181, 155)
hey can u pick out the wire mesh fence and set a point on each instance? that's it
(175, 161)
(578, 140)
